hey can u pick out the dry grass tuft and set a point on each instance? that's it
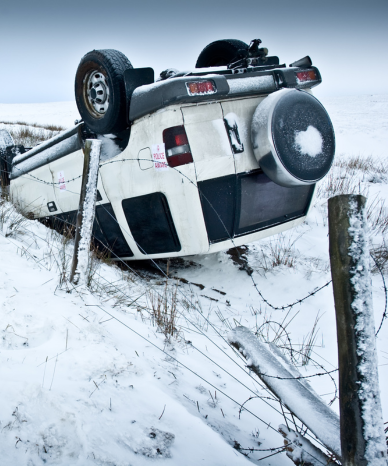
(377, 216)
(12, 220)
(380, 256)
(340, 182)
(35, 125)
(309, 342)
(344, 177)
(164, 310)
(365, 164)
(278, 251)
(31, 134)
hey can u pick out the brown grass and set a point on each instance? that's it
(344, 177)
(26, 136)
(339, 182)
(367, 165)
(278, 251)
(35, 125)
(164, 310)
(377, 216)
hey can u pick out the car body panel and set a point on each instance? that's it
(129, 181)
(208, 140)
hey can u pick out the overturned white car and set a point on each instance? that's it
(197, 162)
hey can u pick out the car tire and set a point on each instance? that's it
(100, 91)
(220, 53)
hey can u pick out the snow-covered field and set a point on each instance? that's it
(87, 378)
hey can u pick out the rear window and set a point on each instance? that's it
(237, 205)
(264, 203)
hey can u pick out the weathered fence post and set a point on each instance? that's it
(362, 433)
(86, 209)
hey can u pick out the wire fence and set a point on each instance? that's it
(242, 364)
(170, 357)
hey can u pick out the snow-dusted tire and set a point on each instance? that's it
(293, 138)
(220, 53)
(100, 90)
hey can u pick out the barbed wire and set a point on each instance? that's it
(276, 308)
(231, 239)
(194, 325)
(288, 306)
(385, 293)
(37, 179)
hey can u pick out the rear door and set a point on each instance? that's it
(214, 165)
(237, 115)
(208, 140)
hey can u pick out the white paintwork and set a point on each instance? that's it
(208, 140)
(131, 173)
(33, 195)
(244, 110)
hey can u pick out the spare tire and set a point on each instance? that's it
(100, 91)
(220, 53)
(293, 138)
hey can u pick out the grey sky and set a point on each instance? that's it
(42, 42)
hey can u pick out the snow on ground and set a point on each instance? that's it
(87, 377)
(360, 123)
(54, 113)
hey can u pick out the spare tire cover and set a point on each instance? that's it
(293, 138)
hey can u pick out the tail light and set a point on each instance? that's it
(201, 87)
(177, 146)
(303, 76)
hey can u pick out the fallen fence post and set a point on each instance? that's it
(301, 451)
(266, 361)
(86, 210)
(362, 432)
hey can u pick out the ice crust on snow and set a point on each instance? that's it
(89, 210)
(303, 402)
(369, 392)
(309, 142)
(155, 443)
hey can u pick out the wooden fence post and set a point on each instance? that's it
(361, 424)
(86, 209)
(286, 382)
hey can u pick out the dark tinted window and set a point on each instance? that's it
(235, 205)
(218, 197)
(263, 202)
(151, 224)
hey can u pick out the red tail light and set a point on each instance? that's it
(304, 76)
(201, 87)
(177, 146)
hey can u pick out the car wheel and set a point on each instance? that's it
(293, 138)
(100, 91)
(220, 53)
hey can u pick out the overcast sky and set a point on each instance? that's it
(42, 41)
